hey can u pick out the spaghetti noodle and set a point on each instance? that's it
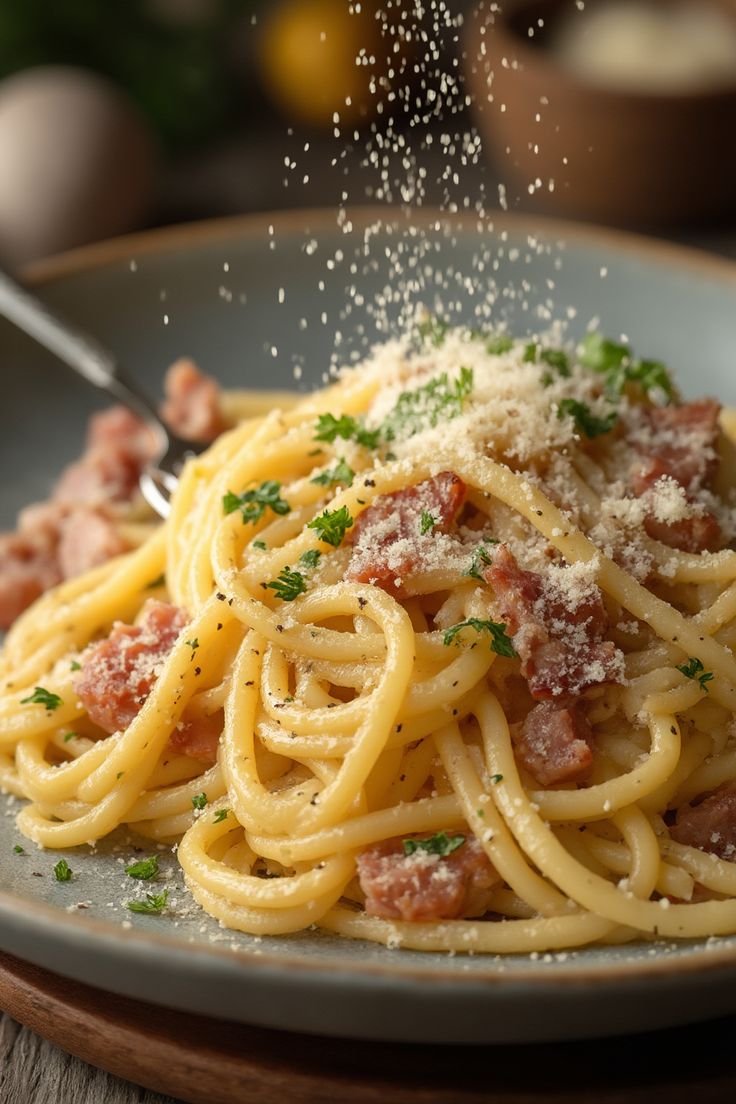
(440, 657)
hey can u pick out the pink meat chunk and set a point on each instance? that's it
(192, 405)
(710, 825)
(119, 445)
(388, 544)
(680, 444)
(87, 539)
(562, 650)
(28, 567)
(198, 737)
(554, 744)
(118, 673)
(423, 886)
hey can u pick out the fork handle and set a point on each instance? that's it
(81, 352)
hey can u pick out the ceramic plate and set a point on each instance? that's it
(250, 300)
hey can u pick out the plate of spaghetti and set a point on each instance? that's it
(415, 719)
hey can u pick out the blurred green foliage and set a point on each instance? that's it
(179, 72)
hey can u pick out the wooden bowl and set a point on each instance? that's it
(621, 157)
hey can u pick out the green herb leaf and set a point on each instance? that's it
(43, 697)
(332, 525)
(329, 428)
(62, 871)
(439, 844)
(694, 669)
(199, 801)
(500, 641)
(260, 545)
(530, 353)
(289, 585)
(426, 406)
(154, 904)
(221, 815)
(480, 558)
(254, 503)
(498, 344)
(496, 778)
(158, 582)
(585, 421)
(75, 666)
(143, 870)
(433, 331)
(341, 473)
(310, 558)
(557, 359)
(69, 736)
(18, 850)
(427, 522)
(193, 644)
(615, 362)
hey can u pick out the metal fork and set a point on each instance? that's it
(91, 360)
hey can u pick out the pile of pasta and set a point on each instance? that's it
(348, 717)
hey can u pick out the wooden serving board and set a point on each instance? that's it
(204, 1061)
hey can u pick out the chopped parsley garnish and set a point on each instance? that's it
(43, 697)
(69, 736)
(154, 904)
(500, 641)
(18, 850)
(75, 665)
(557, 359)
(480, 558)
(143, 870)
(310, 558)
(433, 331)
(498, 344)
(439, 844)
(615, 362)
(426, 522)
(220, 815)
(530, 353)
(157, 582)
(438, 400)
(193, 643)
(199, 801)
(585, 420)
(253, 504)
(289, 585)
(345, 427)
(62, 871)
(332, 525)
(694, 669)
(341, 473)
(260, 545)
(496, 778)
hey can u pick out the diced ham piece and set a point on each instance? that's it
(118, 673)
(28, 567)
(119, 445)
(87, 539)
(710, 825)
(699, 533)
(680, 443)
(562, 650)
(198, 737)
(424, 886)
(388, 544)
(192, 405)
(554, 744)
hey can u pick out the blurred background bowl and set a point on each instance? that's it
(572, 145)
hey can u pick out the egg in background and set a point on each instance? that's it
(78, 162)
